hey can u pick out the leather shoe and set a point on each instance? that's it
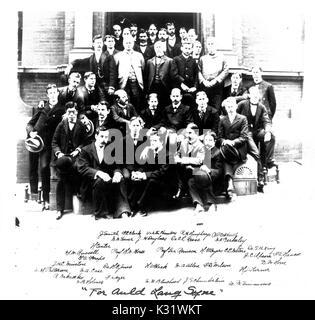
(99, 216)
(142, 213)
(179, 194)
(45, 206)
(125, 215)
(272, 164)
(59, 215)
(260, 187)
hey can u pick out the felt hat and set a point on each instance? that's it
(230, 154)
(35, 144)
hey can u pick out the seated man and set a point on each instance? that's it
(204, 186)
(70, 136)
(232, 140)
(102, 177)
(189, 159)
(44, 123)
(122, 111)
(205, 116)
(260, 132)
(152, 114)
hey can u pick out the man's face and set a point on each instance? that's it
(182, 33)
(159, 49)
(102, 138)
(186, 49)
(143, 38)
(202, 100)
(208, 141)
(123, 98)
(72, 114)
(197, 48)
(135, 127)
(52, 95)
(230, 107)
(109, 43)
(256, 73)
(191, 135)
(152, 30)
(176, 96)
(155, 142)
(171, 30)
(102, 111)
(126, 33)
(90, 81)
(254, 96)
(128, 44)
(73, 82)
(192, 36)
(117, 30)
(98, 45)
(153, 103)
(162, 35)
(211, 46)
(133, 31)
(236, 80)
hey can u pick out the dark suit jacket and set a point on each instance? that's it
(66, 96)
(105, 70)
(236, 131)
(88, 164)
(148, 52)
(167, 72)
(89, 99)
(61, 137)
(238, 95)
(213, 160)
(187, 71)
(155, 167)
(178, 120)
(268, 98)
(119, 118)
(210, 119)
(45, 122)
(150, 120)
(173, 51)
(262, 120)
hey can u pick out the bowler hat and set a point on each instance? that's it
(34, 144)
(64, 164)
(89, 128)
(230, 154)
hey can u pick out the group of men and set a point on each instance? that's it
(150, 115)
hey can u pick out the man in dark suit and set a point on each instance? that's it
(103, 178)
(266, 91)
(173, 43)
(104, 118)
(152, 115)
(118, 37)
(260, 130)
(143, 47)
(152, 34)
(235, 89)
(205, 116)
(44, 123)
(109, 42)
(232, 138)
(103, 66)
(122, 111)
(187, 76)
(69, 138)
(90, 95)
(160, 74)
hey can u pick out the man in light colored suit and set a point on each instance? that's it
(130, 66)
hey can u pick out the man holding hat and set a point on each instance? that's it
(43, 124)
(70, 136)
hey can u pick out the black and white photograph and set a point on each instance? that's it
(157, 153)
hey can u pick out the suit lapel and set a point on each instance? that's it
(94, 153)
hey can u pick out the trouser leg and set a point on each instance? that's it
(45, 172)
(33, 171)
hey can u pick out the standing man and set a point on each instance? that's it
(134, 31)
(160, 74)
(109, 42)
(183, 34)
(143, 47)
(266, 92)
(130, 65)
(213, 70)
(152, 34)
(197, 49)
(69, 138)
(103, 66)
(172, 43)
(102, 178)
(118, 38)
(187, 76)
(44, 123)
(192, 35)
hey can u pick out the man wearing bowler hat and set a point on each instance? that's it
(70, 136)
(43, 124)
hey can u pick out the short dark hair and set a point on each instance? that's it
(51, 86)
(143, 31)
(169, 24)
(70, 105)
(98, 36)
(101, 128)
(133, 25)
(88, 74)
(109, 36)
(237, 74)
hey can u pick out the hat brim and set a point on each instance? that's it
(230, 154)
(91, 131)
(32, 148)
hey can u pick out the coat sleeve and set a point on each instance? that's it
(178, 78)
(243, 134)
(56, 139)
(217, 166)
(197, 160)
(85, 166)
(116, 117)
(272, 100)
(156, 174)
(31, 124)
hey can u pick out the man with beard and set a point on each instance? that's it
(172, 42)
(102, 178)
(122, 111)
(152, 34)
(103, 66)
(143, 47)
(69, 138)
(43, 124)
